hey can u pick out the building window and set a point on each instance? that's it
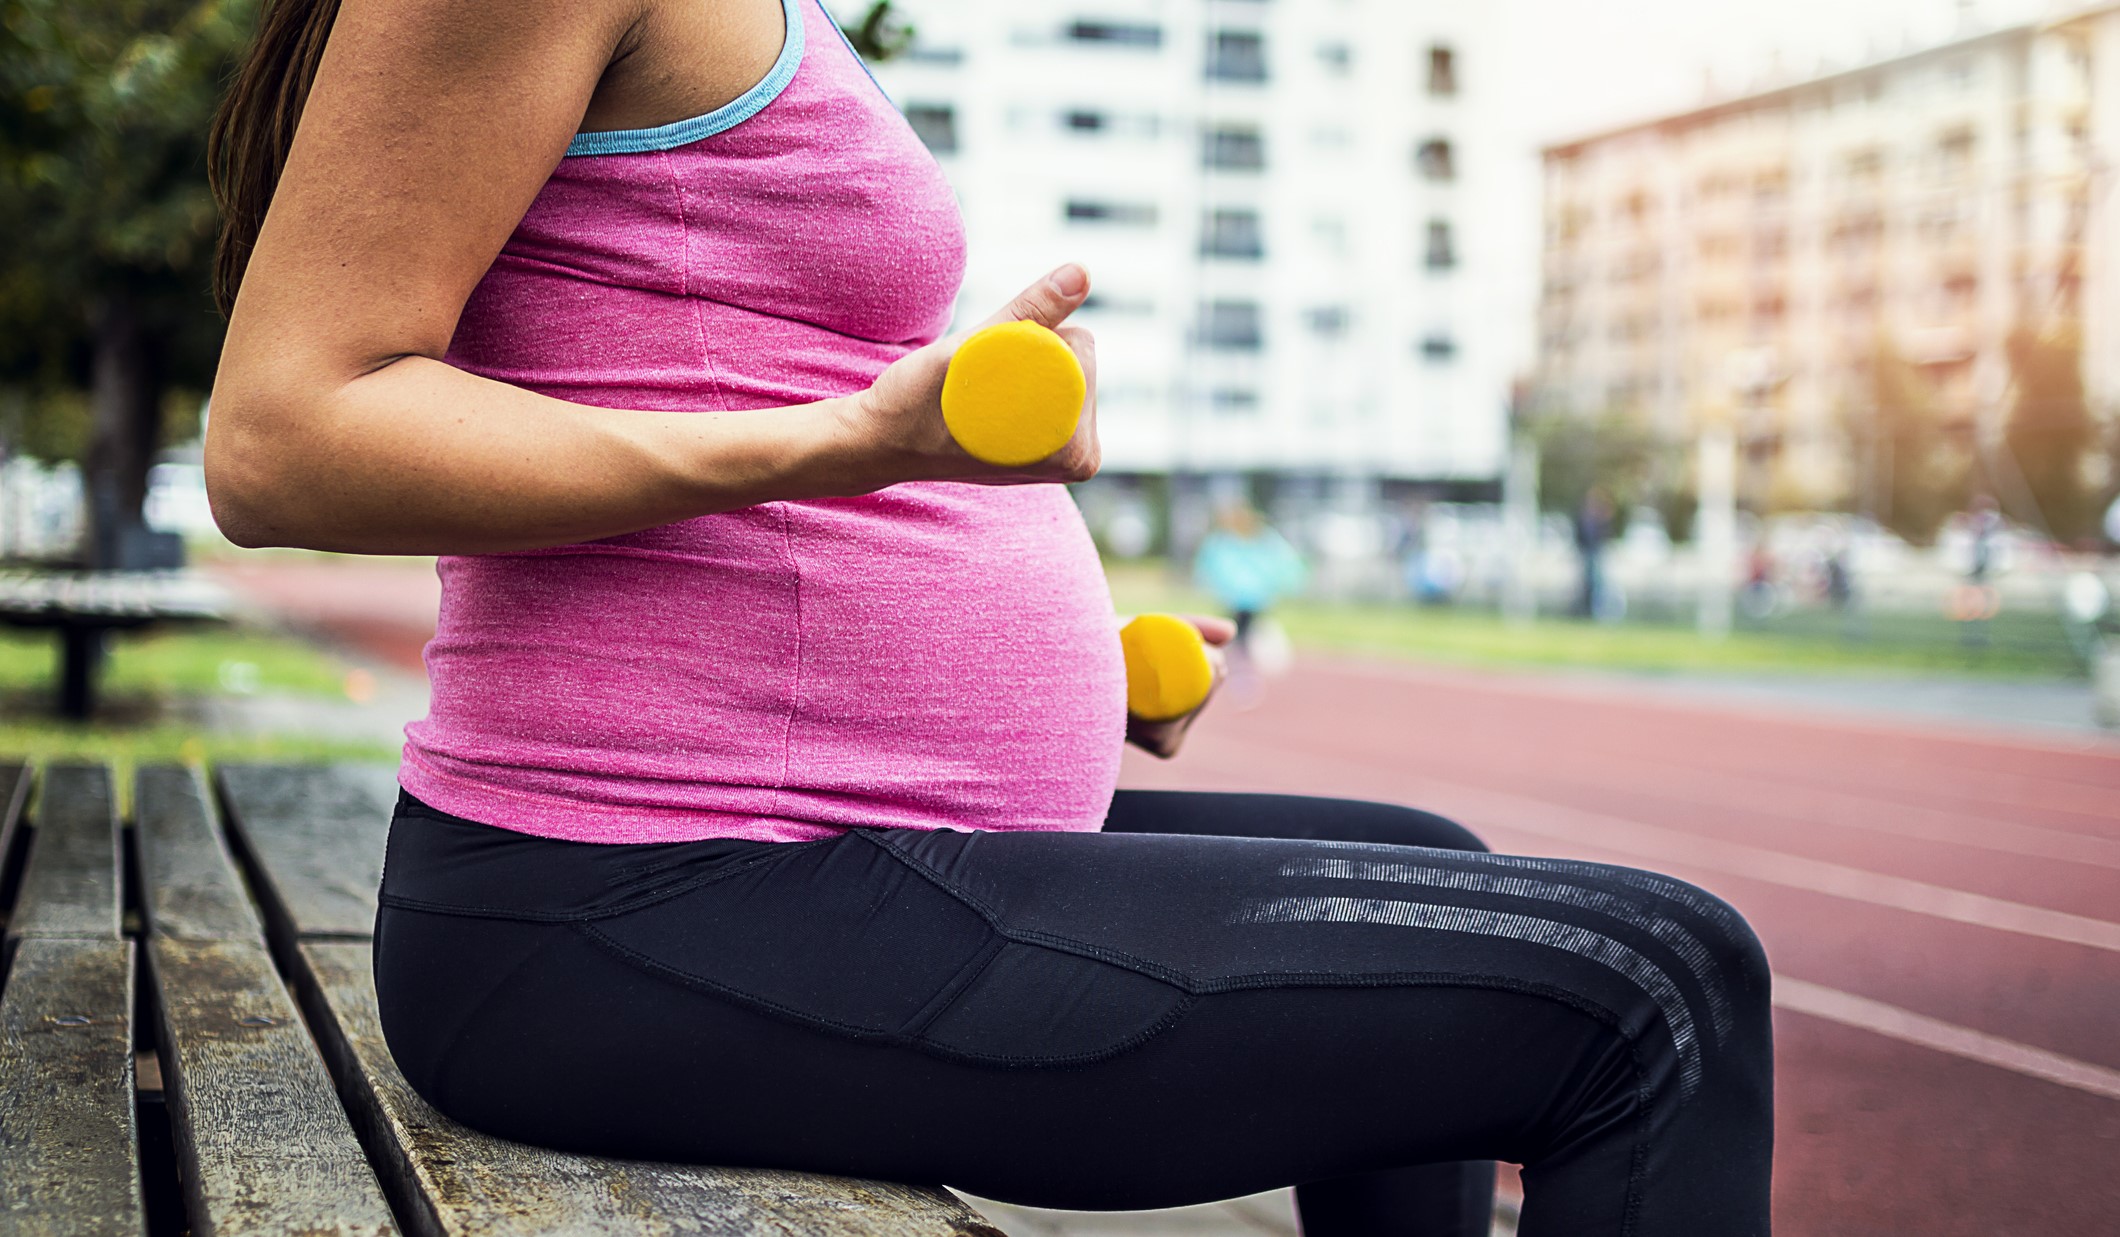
(1238, 148)
(1328, 321)
(936, 126)
(1336, 58)
(1442, 71)
(1236, 56)
(1954, 154)
(1139, 214)
(1232, 234)
(1084, 121)
(1101, 303)
(1442, 246)
(1437, 347)
(1436, 160)
(1234, 399)
(1865, 166)
(1231, 326)
(1330, 232)
(1116, 33)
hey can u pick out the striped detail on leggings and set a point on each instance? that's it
(1696, 901)
(1582, 942)
(1667, 932)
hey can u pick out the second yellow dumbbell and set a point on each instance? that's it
(1168, 673)
(1013, 394)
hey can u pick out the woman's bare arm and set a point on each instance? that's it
(336, 425)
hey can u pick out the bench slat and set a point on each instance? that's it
(70, 889)
(69, 1165)
(69, 1160)
(189, 881)
(319, 830)
(468, 1183)
(316, 836)
(263, 1144)
(14, 793)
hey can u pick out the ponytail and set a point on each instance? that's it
(254, 128)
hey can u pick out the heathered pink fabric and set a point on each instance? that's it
(933, 655)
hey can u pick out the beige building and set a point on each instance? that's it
(1755, 257)
(2094, 37)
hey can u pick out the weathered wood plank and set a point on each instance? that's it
(14, 793)
(70, 889)
(69, 1160)
(465, 1184)
(263, 1145)
(319, 830)
(190, 887)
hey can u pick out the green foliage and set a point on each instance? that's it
(881, 34)
(1614, 452)
(2052, 438)
(1921, 469)
(160, 665)
(104, 110)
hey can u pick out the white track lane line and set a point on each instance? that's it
(1500, 809)
(1905, 1025)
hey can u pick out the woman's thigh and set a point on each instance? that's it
(1318, 818)
(1117, 1020)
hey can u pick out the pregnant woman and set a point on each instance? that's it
(765, 808)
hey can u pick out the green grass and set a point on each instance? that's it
(2019, 646)
(175, 663)
(142, 675)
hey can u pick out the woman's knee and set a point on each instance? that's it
(1730, 963)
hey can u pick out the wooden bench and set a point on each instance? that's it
(170, 977)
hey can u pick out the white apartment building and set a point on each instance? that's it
(1747, 259)
(1277, 202)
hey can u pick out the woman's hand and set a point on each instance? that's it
(897, 428)
(1164, 738)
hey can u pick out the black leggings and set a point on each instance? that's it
(1217, 995)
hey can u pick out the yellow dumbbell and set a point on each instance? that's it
(1168, 673)
(1013, 394)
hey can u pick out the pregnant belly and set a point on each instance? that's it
(930, 656)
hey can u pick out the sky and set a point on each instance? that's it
(1601, 62)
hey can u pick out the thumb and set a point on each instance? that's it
(1049, 301)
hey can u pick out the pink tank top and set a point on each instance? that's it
(932, 655)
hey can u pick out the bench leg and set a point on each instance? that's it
(81, 655)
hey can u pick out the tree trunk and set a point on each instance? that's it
(125, 397)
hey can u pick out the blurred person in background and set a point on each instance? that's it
(1245, 565)
(766, 812)
(1760, 595)
(1593, 528)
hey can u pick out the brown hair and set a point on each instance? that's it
(254, 127)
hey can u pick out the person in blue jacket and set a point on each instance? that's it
(1246, 566)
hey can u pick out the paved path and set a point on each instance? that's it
(1942, 907)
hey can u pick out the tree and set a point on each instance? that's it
(1613, 451)
(2052, 439)
(879, 35)
(104, 110)
(1918, 467)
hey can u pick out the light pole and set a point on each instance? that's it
(1752, 376)
(1715, 536)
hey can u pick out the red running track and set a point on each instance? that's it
(1942, 909)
